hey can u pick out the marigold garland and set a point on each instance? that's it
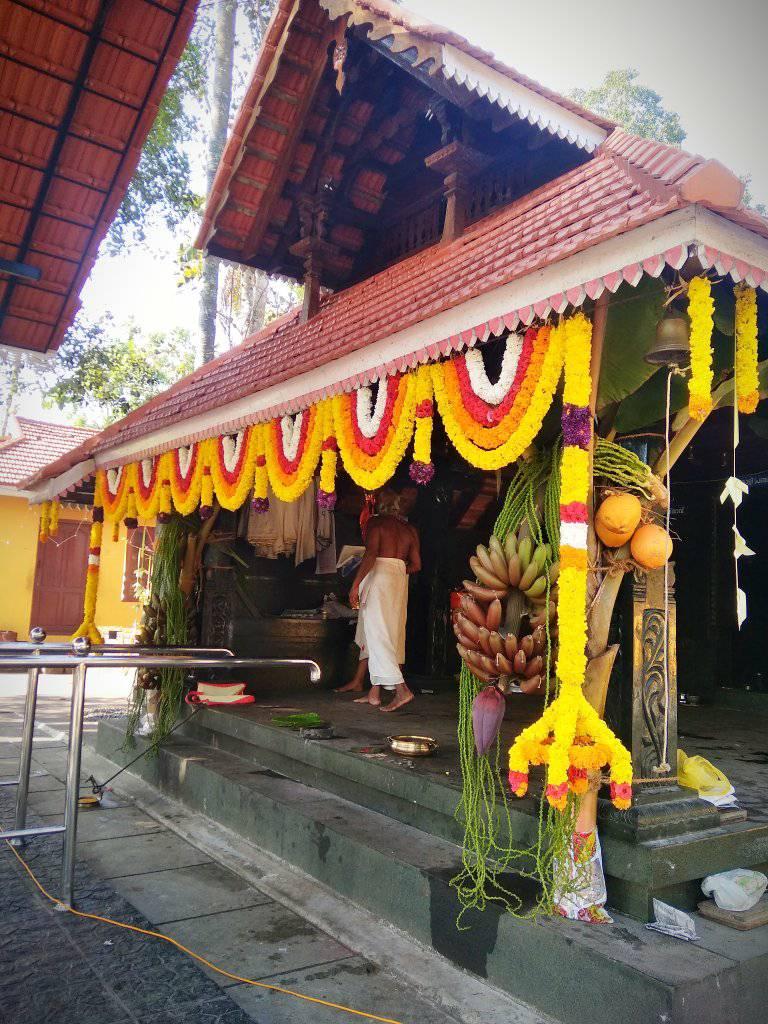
(747, 383)
(422, 469)
(326, 492)
(570, 738)
(505, 442)
(372, 471)
(186, 478)
(232, 466)
(289, 478)
(44, 530)
(701, 308)
(88, 626)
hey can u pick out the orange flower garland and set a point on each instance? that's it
(232, 465)
(499, 445)
(88, 626)
(290, 476)
(372, 471)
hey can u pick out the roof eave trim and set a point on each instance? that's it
(519, 100)
(56, 486)
(728, 248)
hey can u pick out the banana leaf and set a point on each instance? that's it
(646, 406)
(629, 333)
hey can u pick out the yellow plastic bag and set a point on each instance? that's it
(700, 774)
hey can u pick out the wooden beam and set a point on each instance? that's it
(285, 160)
(16, 269)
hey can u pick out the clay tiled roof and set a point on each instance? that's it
(32, 445)
(80, 85)
(245, 197)
(628, 183)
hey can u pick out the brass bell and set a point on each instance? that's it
(672, 345)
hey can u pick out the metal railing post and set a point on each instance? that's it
(73, 784)
(25, 758)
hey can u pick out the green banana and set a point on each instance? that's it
(525, 550)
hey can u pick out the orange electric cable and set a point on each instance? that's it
(196, 956)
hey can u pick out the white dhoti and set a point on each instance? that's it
(380, 631)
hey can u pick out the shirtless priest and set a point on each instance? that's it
(380, 591)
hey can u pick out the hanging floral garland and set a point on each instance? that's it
(493, 437)
(232, 460)
(747, 384)
(185, 474)
(147, 487)
(44, 530)
(114, 486)
(88, 626)
(422, 469)
(570, 738)
(701, 309)
(372, 461)
(292, 451)
(326, 492)
(260, 501)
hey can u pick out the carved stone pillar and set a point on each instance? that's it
(638, 700)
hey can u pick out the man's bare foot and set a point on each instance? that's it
(402, 697)
(353, 686)
(373, 697)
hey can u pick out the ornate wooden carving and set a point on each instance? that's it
(458, 163)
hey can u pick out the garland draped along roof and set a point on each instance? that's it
(80, 90)
(371, 442)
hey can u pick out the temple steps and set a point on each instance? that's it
(401, 873)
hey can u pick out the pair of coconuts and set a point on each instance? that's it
(617, 521)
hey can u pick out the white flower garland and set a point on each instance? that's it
(185, 454)
(370, 414)
(290, 429)
(113, 479)
(147, 465)
(494, 394)
(230, 446)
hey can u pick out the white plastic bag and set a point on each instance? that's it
(735, 890)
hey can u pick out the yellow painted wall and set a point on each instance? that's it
(19, 526)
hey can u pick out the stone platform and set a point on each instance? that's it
(380, 831)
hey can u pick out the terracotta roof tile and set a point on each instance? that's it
(32, 445)
(73, 120)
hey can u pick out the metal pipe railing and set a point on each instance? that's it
(80, 661)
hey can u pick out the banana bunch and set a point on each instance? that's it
(488, 647)
(514, 565)
(490, 654)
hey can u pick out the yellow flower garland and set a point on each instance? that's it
(88, 626)
(186, 500)
(747, 383)
(530, 423)
(372, 472)
(232, 496)
(570, 738)
(701, 308)
(45, 522)
(291, 487)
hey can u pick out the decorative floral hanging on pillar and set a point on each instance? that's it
(570, 738)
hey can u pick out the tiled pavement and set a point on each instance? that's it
(58, 968)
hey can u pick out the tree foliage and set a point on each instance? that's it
(103, 375)
(635, 107)
(161, 185)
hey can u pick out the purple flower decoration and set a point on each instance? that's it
(421, 472)
(131, 522)
(577, 425)
(487, 715)
(260, 505)
(326, 500)
(205, 512)
(163, 517)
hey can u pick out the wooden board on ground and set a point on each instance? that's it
(743, 920)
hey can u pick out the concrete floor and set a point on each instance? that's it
(134, 867)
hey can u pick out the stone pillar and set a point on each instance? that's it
(637, 701)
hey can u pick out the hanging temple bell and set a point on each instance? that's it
(671, 346)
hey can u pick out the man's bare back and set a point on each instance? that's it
(390, 537)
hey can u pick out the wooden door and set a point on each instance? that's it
(57, 599)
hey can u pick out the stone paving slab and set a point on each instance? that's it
(139, 855)
(354, 982)
(188, 892)
(115, 824)
(257, 942)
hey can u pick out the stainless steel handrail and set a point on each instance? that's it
(80, 663)
(25, 646)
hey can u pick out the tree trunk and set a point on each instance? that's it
(9, 401)
(221, 98)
